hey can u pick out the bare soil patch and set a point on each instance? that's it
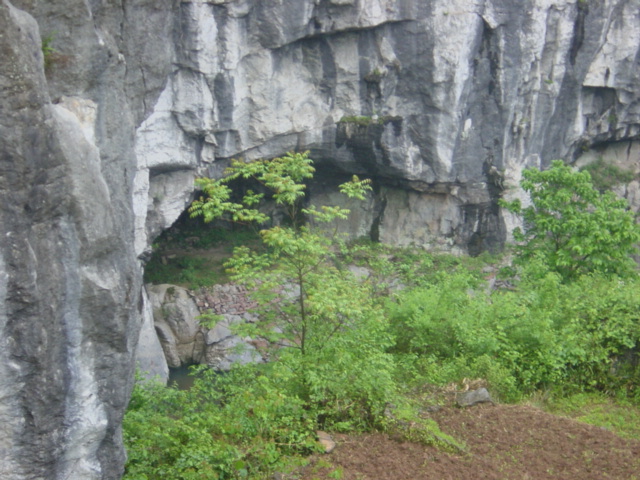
(503, 442)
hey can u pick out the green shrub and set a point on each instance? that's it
(572, 228)
(165, 438)
(545, 333)
(239, 425)
(324, 324)
(340, 354)
(601, 315)
(48, 51)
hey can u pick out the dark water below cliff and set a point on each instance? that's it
(181, 377)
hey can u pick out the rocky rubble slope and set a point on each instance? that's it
(442, 102)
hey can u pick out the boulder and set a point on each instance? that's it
(327, 442)
(473, 397)
(175, 315)
(185, 341)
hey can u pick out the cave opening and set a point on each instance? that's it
(191, 253)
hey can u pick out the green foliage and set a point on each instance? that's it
(234, 426)
(189, 234)
(47, 50)
(188, 270)
(192, 254)
(618, 415)
(327, 335)
(409, 266)
(406, 421)
(581, 335)
(356, 188)
(341, 349)
(362, 121)
(573, 229)
(374, 76)
(605, 176)
(282, 177)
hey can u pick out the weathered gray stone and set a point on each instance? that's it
(70, 282)
(219, 333)
(175, 314)
(326, 441)
(186, 342)
(453, 90)
(473, 397)
(150, 357)
(223, 354)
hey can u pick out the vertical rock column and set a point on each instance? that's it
(69, 282)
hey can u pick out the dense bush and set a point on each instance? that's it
(326, 337)
(239, 425)
(545, 333)
(323, 324)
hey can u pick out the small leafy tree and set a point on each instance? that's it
(325, 325)
(571, 227)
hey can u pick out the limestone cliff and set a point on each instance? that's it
(69, 279)
(441, 102)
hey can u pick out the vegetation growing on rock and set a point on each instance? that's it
(605, 175)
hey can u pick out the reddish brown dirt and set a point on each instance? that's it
(503, 442)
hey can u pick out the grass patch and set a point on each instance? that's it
(192, 254)
(619, 416)
(190, 270)
(189, 233)
(413, 266)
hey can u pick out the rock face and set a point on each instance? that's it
(150, 356)
(441, 102)
(186, 342)
(69, 279)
